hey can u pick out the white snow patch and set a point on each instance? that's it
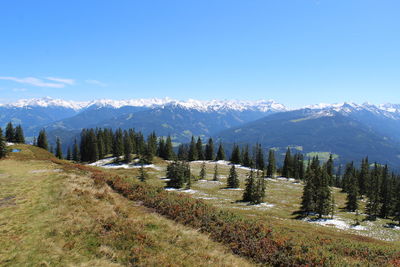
(9, 144)
(233, 189)
(188, 191)
(335, 223)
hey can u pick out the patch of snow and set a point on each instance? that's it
(188, 191)
(340, 224)
(233, 189)
(9, 144)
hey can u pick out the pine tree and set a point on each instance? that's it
(183, 152)
(246, 161)
(287, 164)
(199, 148)
(386, 194)
(3, 148)
(259, 193)
(248, 194)
(193, 155)
(127, 148)
(352, 193)
(307, 200)
(169, 152)
(220, 153)
(19, 135)
(209, 152)
(397, 206)
(142, 174)
(58, 149)
(161, 148)
(271, 167)
(235, 157)
(203, 171)
(216, 175)
(118, 144)
(259, 157)
(69, 154)
(329, 169)
(364, 180)
(323, 195)
(75, 152)
(10, 132)
(373, 205)
(42, 140)
(233, 180)
(178, 173)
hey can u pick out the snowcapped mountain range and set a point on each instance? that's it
(204, 106)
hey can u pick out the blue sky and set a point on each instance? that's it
(297, 52)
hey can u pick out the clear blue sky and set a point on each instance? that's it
(297, 52)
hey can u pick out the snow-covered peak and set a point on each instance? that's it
(200, 105)
(46, 102)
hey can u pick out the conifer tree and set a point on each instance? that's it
(3, 148)
(75, 152)
(259, 159)
(386, 194)
(287, 164)
(323, 195)
(69, 153)
(118, 144)
(19, 135)
(259, 194)
(209, 152)
(235, 156)
(193, 155)
(216, 175)
(93, 153)
(178, 173)
(373, 204)
(10, 132)
(329, 169)
(127, 148)
(101, 146)
(58, 149)
(142, 174)
(250, 188)
(42, 140)
(199, 148)
(203, 171)
(397, 207)
(246, 161)
(161, 148)
(307, 200)
(220, 153)
(183, 152)
(352, 193)
(152, 143)
(233, 180)
(169, 152)
(271, 167)
(364, 181)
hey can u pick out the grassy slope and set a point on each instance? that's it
(350, 246)
(51, 217)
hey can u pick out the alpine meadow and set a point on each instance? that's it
(212, 133)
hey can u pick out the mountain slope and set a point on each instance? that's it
(317, 131)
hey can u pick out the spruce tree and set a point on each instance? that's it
(364, 181)
(93, 153)
(209, 152)
(58, 149)
(352, 193)
(271, 167)
(329, 169)
(259, 160)
(127, 148)
(183, 152)
(118, 144)
(220, 153)
(42, 140)
(250, 188)
(397, 206)
(216, 175)
(69, 153)
(3, 148)
(386, 194)
(19, 135)
(307, 200)
(10, 132)
(202, 173)
(193, 155)
(287, 164)
(235, 157)
(169, 152)
(246, 161)
(142, 174)
(178, 173)
(259, 194)
(199, 148)
(323, 195)
(75, 152)
(373, 204)
(233, 180)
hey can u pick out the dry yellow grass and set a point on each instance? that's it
(53, 217)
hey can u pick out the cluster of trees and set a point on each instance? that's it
(377, 184)
(14, 135)
(317, 197)
(178, 173)
(255, 188)
(97, 143)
